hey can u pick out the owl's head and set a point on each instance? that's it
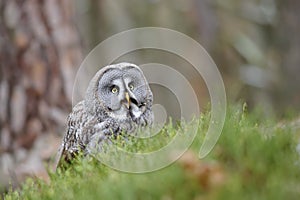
(121, 90)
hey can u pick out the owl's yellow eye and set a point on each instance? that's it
(114, 90)
(131, 87)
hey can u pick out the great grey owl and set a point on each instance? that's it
(118, 100)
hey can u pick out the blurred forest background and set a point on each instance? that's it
(255, 44)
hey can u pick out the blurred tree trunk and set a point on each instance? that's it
(40, 51)
(288, 30)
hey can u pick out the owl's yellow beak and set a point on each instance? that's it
(128, 100)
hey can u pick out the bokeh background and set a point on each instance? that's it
(255, 44)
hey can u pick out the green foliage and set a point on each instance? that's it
(256, 158)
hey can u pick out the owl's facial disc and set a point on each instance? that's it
(124, 92)
(128, 107)
(126, 99)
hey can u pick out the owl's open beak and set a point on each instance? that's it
(128, 100)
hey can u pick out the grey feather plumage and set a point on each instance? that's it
(102, 114)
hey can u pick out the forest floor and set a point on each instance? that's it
(254, 158)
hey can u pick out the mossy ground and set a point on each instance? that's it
(253, 159)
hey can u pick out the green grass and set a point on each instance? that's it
(253, 159)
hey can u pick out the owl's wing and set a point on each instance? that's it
(73, 141)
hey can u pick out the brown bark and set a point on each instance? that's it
(40, 51)
(289, 46)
